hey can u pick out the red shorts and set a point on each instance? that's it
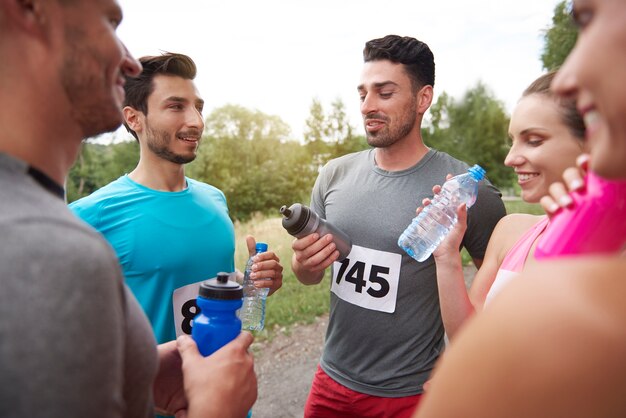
(330, 399)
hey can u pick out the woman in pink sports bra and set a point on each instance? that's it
(547, 135)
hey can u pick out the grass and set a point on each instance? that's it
(519, 206)
(296, 303)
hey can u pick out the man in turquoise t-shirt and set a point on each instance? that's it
(170, 232)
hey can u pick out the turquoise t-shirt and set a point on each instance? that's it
(164, 241)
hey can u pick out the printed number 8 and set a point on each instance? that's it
(189, 311)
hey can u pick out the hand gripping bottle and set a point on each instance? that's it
(252, 313)
(595, 224)
(435, 221)
(301, 221)
(217, 323)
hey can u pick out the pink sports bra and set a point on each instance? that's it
(515, 259)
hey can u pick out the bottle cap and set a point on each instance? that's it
(477, 172)
(260, 247)
(221, 287)
(295, 217)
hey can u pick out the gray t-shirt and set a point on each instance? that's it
(73, 340)
(385, 330)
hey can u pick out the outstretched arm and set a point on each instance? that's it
(455, 303)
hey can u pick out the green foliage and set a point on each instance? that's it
(559, 38)
(98, 165)
(519, 206)
(330, 135)
(247, 154)
(474, 130)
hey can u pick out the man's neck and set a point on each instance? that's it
(50, 147)
(160, 175)
(400, 156)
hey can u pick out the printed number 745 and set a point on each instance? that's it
(356, 275)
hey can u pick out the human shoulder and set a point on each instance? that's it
(569, 318)
(63, 240)
(205, 188)
(511, 228)
(348, 160)
(118, 188)
(202, 185)
(560, 331)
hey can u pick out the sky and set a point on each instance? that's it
(276, 56)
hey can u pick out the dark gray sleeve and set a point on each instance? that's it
(61, 323)
(482, 219)
(317, 195)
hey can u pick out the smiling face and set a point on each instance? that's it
(173, 126)
(542, 145)
(388, 103)
(594, 74)
(94, 64)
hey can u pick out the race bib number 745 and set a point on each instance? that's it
(368, 278)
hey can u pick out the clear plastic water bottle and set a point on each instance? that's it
(252, 313)
(435, 221)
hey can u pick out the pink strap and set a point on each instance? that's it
(516, 257)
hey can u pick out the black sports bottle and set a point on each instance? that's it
(300, 221)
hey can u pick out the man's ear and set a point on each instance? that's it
(133, 118)
(29, 15)
(424, 99)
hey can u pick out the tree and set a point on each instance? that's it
(99, 164)
(474, 130)
(330, 135)
(249, 156)
(316, 134)
(340, 133)
(559, 38)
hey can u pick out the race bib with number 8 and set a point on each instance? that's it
(185, 308)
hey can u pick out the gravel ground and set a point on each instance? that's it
(285, 366)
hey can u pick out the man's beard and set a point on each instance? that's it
(84, 80)
(390, 135)
(158, 142)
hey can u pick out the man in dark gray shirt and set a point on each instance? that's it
(73, 340)
(385, 330)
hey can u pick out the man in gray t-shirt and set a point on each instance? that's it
(385, 331)
(74, 342)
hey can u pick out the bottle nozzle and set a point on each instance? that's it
(222, 277)
(285, 211)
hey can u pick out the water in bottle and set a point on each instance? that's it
(252, 313)
(435, 221)
(217, 323)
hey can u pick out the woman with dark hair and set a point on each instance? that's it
(547, 134)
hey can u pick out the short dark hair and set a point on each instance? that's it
(138, 89)
(567, 106)
(416, 56)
